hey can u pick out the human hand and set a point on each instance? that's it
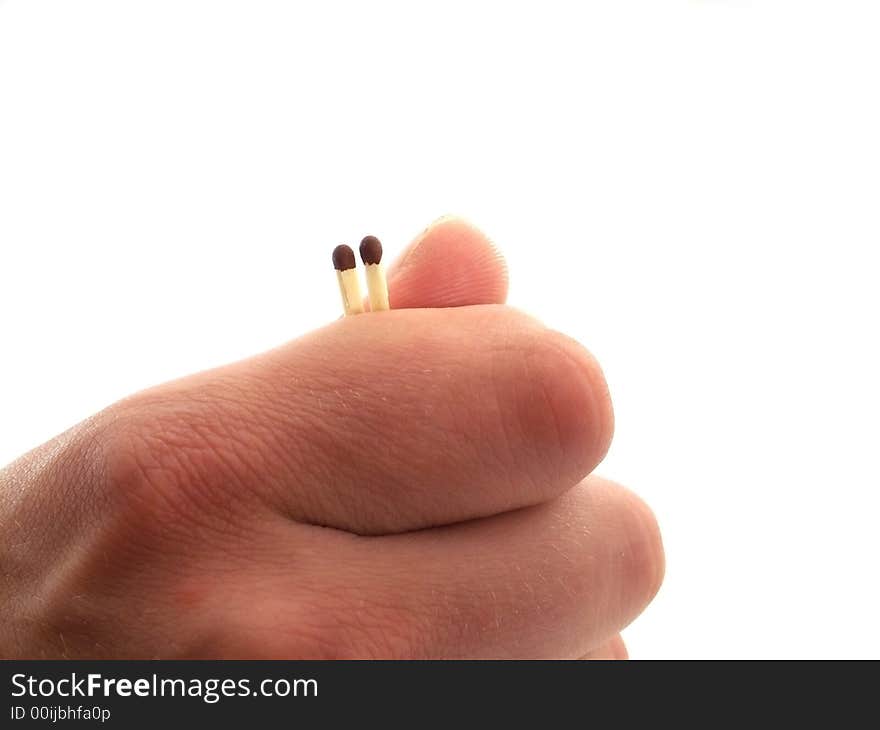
(404, 484)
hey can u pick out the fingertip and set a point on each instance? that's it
(451, 264)
(575, 395)
(617, 648)
(648, 548)
(613, 650)
(640, 556)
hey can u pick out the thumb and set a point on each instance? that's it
(451, 264)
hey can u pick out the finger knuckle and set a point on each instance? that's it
(165, 463)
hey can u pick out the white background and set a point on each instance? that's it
(173, 176)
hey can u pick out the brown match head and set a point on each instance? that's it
(343, 258)
(371, 250)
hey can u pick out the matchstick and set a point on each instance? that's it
(346, 275)
(377, 286)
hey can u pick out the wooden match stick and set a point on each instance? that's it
(346, 275)
(377, 286)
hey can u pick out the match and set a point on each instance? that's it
(377, 285)
(346, 275)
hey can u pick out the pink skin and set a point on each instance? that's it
(409, 484)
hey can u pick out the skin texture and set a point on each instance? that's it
(430, 497)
